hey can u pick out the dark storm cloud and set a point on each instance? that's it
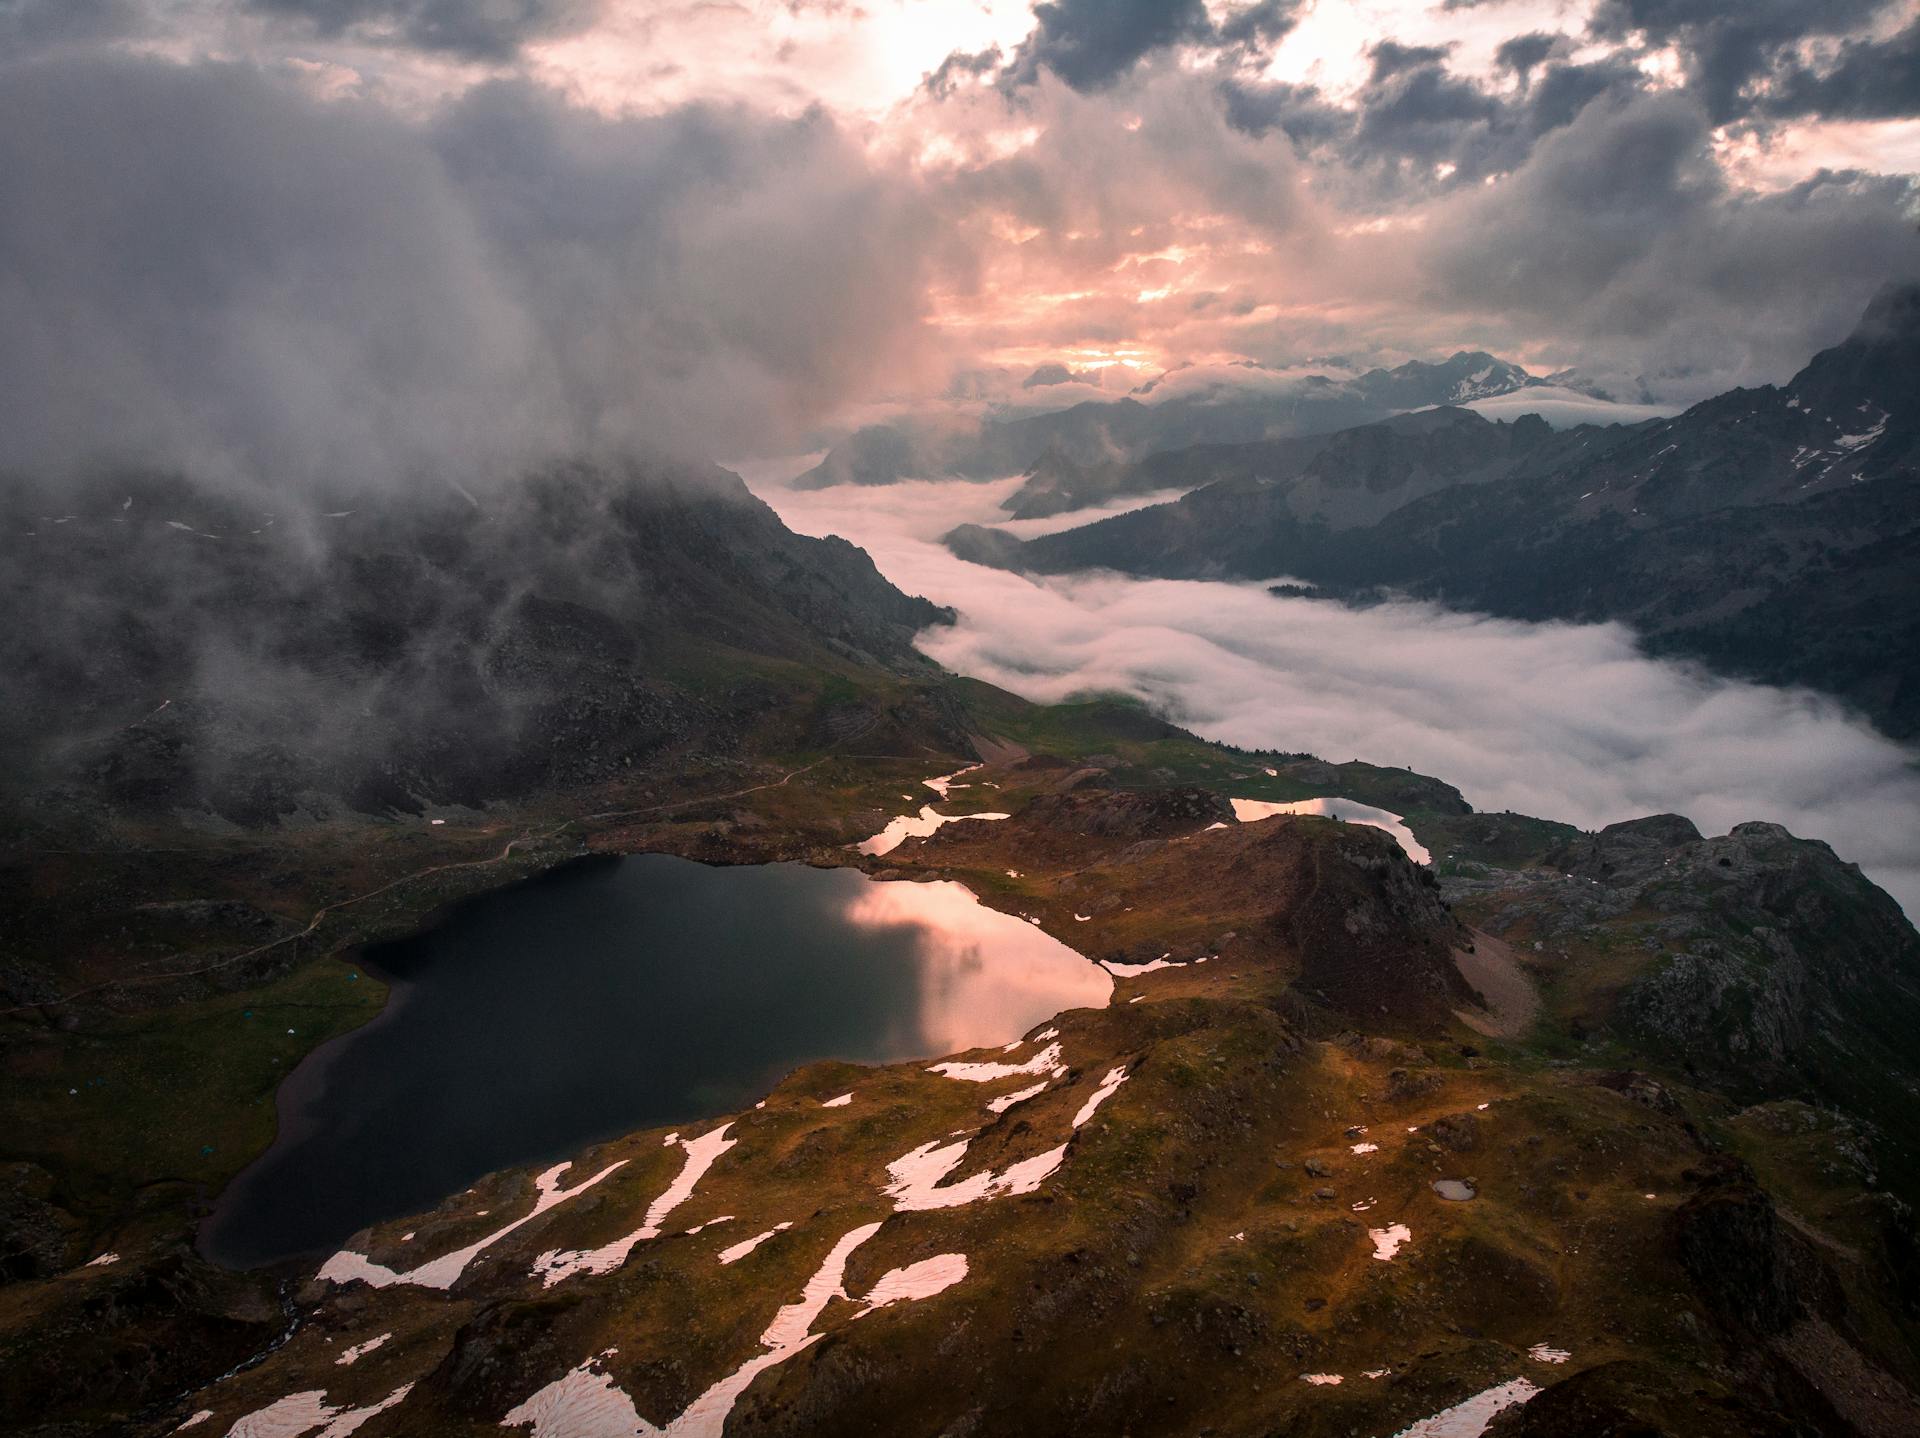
(1418, 110)
(1525, 53)
(1392, 58)
(1732, 50)
(1868, 81)
(1260, 24)
(480, 29)
(29, 26)
(1301, 111)
(1091, 43)
(1622, 234)
(1557, 94)
(204, 269)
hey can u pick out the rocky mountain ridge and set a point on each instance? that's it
(1773, 532)
(1097, 433)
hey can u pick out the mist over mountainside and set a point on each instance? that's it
(1239, 404)
(195, 651)
(1774, 533)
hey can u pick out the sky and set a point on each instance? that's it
(395, 237)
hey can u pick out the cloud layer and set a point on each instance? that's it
(1563, 721)
(208, 268)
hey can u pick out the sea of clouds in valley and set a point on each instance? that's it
(1564, 721)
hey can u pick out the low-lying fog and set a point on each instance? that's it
(1565, 721)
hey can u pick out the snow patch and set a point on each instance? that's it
(557, 1264)
(917, 1177)
(742, 1249)
(1469, 1417)
(360, 1350)
(1387, 1241)
(585, 1402)
(1108, 1085)
(841, 1102)
(1543, 1353)
(944, 782)
(346, 1266)
(1047, 1061)
(1249, 811)
(1008, 1100)
(906, 826)
(918, 1280)
(301, 1413)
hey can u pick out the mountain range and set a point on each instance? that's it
(1244, 404)
(1772, 532)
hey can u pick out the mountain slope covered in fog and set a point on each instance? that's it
(195, 651)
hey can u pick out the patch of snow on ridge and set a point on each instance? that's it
(1249, 811)
(585, 1402)
(841, 1102)
(1108, 1086)
(1008, 1100)
(194, 1422)
(1469, 1417)
(944, 782)
(899, 830)
(300, 1413)
(1047, 1061)
(917, 1280)
(1387, 1241)
(917, 1187)
(346, 1266)
(556, 1264)
(1133, 971)
(742, 1249)
(1546, 1353)
(360, 1350)
(102, 1261)
(1321, 1380)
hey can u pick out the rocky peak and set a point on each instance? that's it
(1873, 367)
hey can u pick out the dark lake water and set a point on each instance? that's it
(616, 994)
